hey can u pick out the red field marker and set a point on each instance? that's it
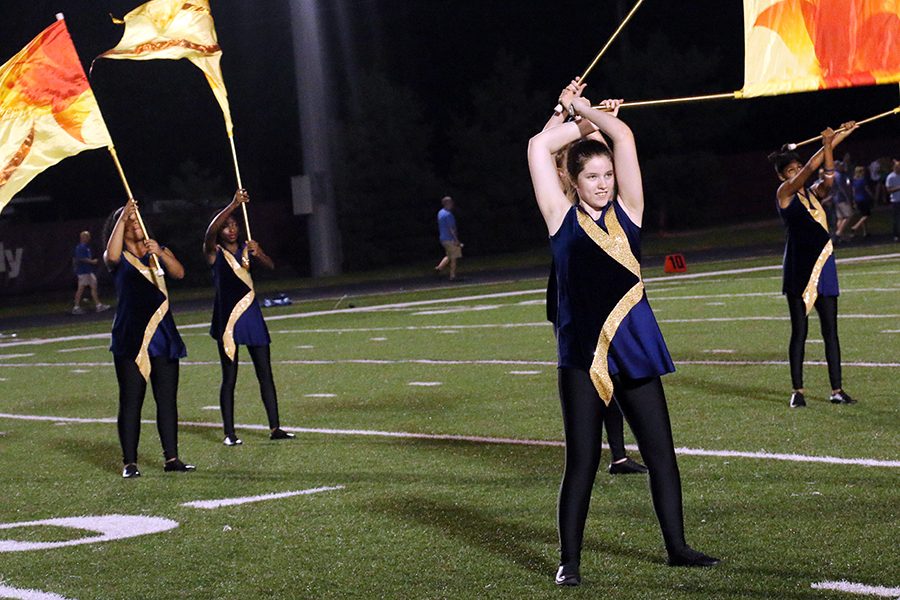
(675, 263)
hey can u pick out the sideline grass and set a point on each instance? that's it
(441, 519)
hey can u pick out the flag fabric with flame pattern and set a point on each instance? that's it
(174, 29)
(804, 45)
(47, 110)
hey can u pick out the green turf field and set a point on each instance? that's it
(446, 516)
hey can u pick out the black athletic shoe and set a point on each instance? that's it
(232, 440)
(130, 471)
(281, 434)
(568, 576)
(688, 557)
(841, 397)
(177, 465)
(797, 400)
(625, 467)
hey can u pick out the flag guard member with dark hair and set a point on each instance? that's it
(608, 340)
(237, 318)
(810, 273)
(145, 341)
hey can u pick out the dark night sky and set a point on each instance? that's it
(161, 113)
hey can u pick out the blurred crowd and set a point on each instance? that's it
(857, 189)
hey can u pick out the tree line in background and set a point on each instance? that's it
(395, 161)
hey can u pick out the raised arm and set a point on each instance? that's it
(212, 232)
(548, 190)
(114, 246)
(825, 155)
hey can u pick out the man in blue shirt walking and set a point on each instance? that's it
(449, 237)
(84, 264)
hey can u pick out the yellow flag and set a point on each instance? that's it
(173, 29)
(47, 110)
(804, 45)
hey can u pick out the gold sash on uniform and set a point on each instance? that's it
(159, 282)
(811, 204)
(242, 305)
(615, 244)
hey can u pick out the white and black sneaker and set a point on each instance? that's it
(797, 400)
(280, 434)
(130, 471)
(841, 397)
(232, 440)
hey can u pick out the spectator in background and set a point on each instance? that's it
(892, 184)
(827, 202)
(863, 196)
(84, 263)
(842, 195)
(449, 237)
(877, 174)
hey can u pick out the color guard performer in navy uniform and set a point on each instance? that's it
(145, 341)
(810, 274)
(237, 318)
(608, 340)
(611, 416)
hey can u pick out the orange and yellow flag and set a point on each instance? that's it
(804, 45)
(173, 29)
(47, 110)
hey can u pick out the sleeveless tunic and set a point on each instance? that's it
(143, 325)
(809, 267)
(237, 318)
(599, 305)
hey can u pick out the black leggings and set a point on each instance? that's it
(612, 419)
(643, 403)
(132, 387)
(262, 362)
(614, 423)
(827, 308)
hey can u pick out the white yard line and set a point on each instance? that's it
(104, 347)
(764, 294)
(365, 309)
(860, 589)
(410, 328)
(23, 594)
(108, 528)
(449, 362)
(461, 309)
(759, 363)
(210, 504)
(768, 318)
(865, 462)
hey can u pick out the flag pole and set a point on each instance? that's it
(886, 113)
(237, 172)
(559, 108)
(679, 100)
(115, 157)
(610, 41)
